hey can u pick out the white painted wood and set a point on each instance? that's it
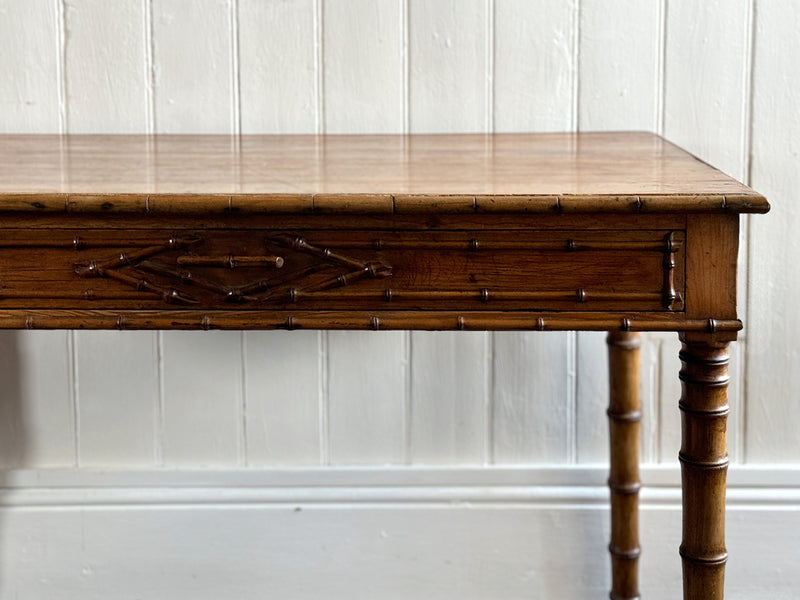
(105, 70)
(393, 542)
(447, 65)
(282, 397)
(533, 65)
(29, 63)
(37, 417)
(117, 375)
(202, 420)
(591, 395)
(529, 410)
(773, 377)
(618, 65)
(192, 66)
(449, 395)
(363, 66)
(277, 57)
(706, 80)
(367, 397)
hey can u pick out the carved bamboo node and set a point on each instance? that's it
(629, 416)
(460, 323)
(626, 324)
(120, 322)
(473, 245)
(292, 294)
(719, 558)
(289, 323)
(639, 204)
(705, 379)
(721, 411)
(205, 322)
(77, 243)
(89, 294)
(29, 322)
(89, 269)
(712, 325)
(719, 463)
(570, 245)
(630, 554)
(580, 295)
(540, 324)
(388, 294)
(377, 245)
(341, 280)
(724, 203)
(485, 295)
(375, 323)
(628, 488)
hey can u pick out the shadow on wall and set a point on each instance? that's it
(13, 448)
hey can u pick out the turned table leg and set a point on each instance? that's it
(704, 465)
(624, 414)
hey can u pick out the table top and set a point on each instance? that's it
(594, 172)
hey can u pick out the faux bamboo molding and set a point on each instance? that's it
(704, 464)
(625, 415)
(383, 320)
(363, 204)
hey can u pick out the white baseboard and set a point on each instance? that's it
(446, 533)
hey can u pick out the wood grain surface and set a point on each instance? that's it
(588, 172)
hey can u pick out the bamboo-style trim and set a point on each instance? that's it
(477, 245)
(484, 295)
(389, 320)
(231, 261)
(380, 203)
(704, 464)
(625, 415)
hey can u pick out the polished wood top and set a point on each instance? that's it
(583, 172)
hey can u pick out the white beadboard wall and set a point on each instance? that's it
(287, 433)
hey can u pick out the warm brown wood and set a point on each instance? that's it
(618, 232)
(582, 172)
(624, 417)
(704, 464)
(341, 270)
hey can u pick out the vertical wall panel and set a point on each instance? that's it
(117, 398)
(105, 69)
(107, 78)
(618, 65)
(706, 80)
(530, 410)
(533, 91)
(29, 63)
(618, 90)
(367, 397)
(363, 66)
(192, 66)
(447, 64)
(773, 378)
(202, 419)
(533, 65)
(282, 394)
(277, 79)
(37, 411)
(706, 91)
(449, 393)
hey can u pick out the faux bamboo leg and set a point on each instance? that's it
(704, 465)
(624, 414)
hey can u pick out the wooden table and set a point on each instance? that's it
(621, 232)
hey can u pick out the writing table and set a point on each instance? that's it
(617, 232)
